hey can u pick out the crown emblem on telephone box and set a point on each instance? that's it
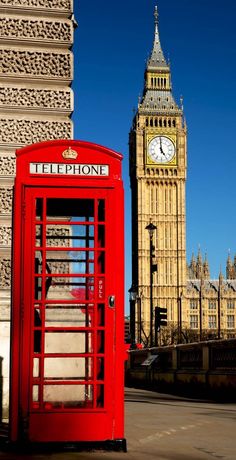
(69, 154)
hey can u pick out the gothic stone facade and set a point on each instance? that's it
(209, 305)
(158, 174)
(158, 157)
(36, 101)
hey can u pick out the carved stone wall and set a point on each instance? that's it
(5, 235)
(7, 165)
(59, 236)
(59, 5)
(36, 101)
(6, 194)
(25, 132)
(5, 273)
(25, 28)
(40, 98)
(33, 63)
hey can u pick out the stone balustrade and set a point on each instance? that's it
(204, 369)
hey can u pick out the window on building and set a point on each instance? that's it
(193, 304)
(231, 335)
(194, 321)
(230, 321)
(230, 304)
(212, 321)
(212, 304)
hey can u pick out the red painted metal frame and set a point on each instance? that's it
(64, 424)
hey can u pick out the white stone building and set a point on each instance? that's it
(36, 101)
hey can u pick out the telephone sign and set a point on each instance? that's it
(71, 169)
(67, 343)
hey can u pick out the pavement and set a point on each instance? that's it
(164, 427)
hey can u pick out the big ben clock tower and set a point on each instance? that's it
(158, 175)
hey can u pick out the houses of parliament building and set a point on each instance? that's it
(198, 306)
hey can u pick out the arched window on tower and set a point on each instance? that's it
(166, 271)
(170, 200)
(151, 199)
(171, 270)
(156, 201)
(166, 238)
(166, 200)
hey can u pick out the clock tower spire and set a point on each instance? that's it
(157, 175)
(157, 56)
(157, 93)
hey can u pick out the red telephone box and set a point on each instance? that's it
(67, 355)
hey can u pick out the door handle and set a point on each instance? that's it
(111, 301)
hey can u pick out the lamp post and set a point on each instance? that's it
(132, 301)
(139, 319)
(179, 304)
(151, 229)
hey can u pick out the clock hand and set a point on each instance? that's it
(161, 149)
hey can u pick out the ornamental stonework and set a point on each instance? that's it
(59, 233)
(6, 195)
(26, 132)
(35, 98)
(33, 63)
(40, 4)
(5, 273)
(59, 268)
(59, 237)
(7, 165)
(5, 235)
(41, 29)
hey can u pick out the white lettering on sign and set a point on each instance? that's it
(69, 169)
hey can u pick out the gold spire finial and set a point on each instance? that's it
(156, 14)
(156, 19)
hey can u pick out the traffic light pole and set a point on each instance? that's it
(156, 336)
(151, 229)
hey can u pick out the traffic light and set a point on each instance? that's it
(160, 317)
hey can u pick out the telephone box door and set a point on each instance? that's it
(70, 293)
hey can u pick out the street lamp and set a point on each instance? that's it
(132, 301)
(153, 268)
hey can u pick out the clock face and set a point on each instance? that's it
(161, 149)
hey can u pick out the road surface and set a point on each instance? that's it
(164, 427)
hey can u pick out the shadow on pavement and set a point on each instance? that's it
(139, 395)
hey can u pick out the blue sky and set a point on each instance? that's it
(112, 43)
